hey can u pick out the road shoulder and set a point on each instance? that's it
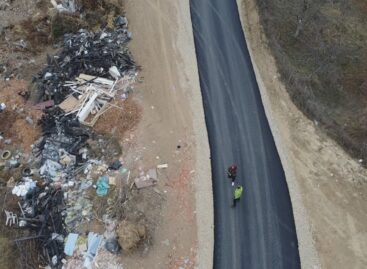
(203, 176)
(173, 115)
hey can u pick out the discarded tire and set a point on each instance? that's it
(5, 154)
(112, 245)
(27, 172)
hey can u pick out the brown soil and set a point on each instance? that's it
(327, 187)
(13, 120)
(117, 120)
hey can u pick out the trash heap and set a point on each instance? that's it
(94, 94)
(81, 82)
(103, 54)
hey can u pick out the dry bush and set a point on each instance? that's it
(319, 47)
(117, 121)
(90, 4)
(37, 33)
(107, 5)
(130, 235)
(63, 23)
(6, 257)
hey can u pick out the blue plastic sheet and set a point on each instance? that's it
(70, 244)
(102, 186)
(94, 240)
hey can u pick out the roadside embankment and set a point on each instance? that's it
(326, 185)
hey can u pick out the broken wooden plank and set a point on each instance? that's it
(94, 79)
(69, 104)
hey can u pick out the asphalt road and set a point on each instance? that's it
(260, 231)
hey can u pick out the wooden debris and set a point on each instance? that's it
(69, 104)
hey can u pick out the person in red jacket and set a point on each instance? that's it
(232, 173)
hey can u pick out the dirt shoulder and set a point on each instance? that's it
(172, 131)
(327, 187)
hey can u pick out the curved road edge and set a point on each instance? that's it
(203, 174)
(307, 251)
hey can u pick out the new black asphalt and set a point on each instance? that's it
(259, 232)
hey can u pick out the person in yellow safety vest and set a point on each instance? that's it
(237, 194)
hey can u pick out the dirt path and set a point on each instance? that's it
(328, 189)
(172, 131)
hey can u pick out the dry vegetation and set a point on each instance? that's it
(30, 29)
(119, 119)
(320, 49)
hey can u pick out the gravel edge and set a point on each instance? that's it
(202, 175)
(307, 250)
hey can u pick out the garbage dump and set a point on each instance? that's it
(74, 89)
(103, 54)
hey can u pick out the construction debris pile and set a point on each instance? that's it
(75, 88)
(93, 96)
(103, 54)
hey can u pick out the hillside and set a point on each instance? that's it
(320, 50)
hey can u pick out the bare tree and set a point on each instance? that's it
(300, 18)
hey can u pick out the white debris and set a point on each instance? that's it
(66, 6)
(24, 188)
(162, 166)
(95, 94)
(50, 168)
(29, 120)
(103, 35)
(2, 107)
(114, 72)
(47, 75)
